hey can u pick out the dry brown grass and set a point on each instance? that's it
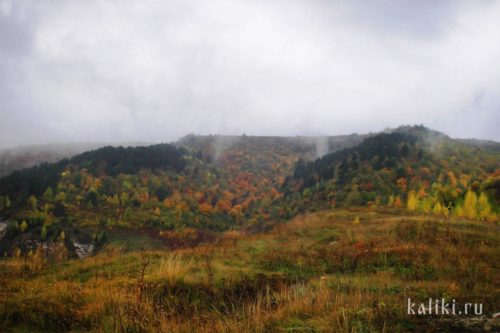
(291, 279)
(171, 267)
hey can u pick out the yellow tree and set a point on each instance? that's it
(33, 202)
(492, 217)
(412, 202)
(470, 205)
(483, 206)
(390, 202)
(458, 211)
(48, 195)
(24, 226)
(115, 201)
(438, 209)
(426, 204)
(464, 180)
(124, 197)
(446, 210)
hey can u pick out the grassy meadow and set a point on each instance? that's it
(330, 271)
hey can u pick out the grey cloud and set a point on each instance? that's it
(153, 71)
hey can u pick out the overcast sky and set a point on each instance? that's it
(89, 70)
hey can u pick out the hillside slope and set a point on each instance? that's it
(321, 272)
(23, 157)
(185, 193)
(413, 167)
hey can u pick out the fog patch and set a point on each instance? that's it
(221, 143)
(322, 146)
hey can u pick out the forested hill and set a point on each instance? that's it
(106, 161)
(22, 157)
(201, 185)
(410, 166)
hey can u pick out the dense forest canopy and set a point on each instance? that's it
(103, 161)
(205, 184)
(413, 164)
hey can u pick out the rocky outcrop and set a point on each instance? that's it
(83, 250)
